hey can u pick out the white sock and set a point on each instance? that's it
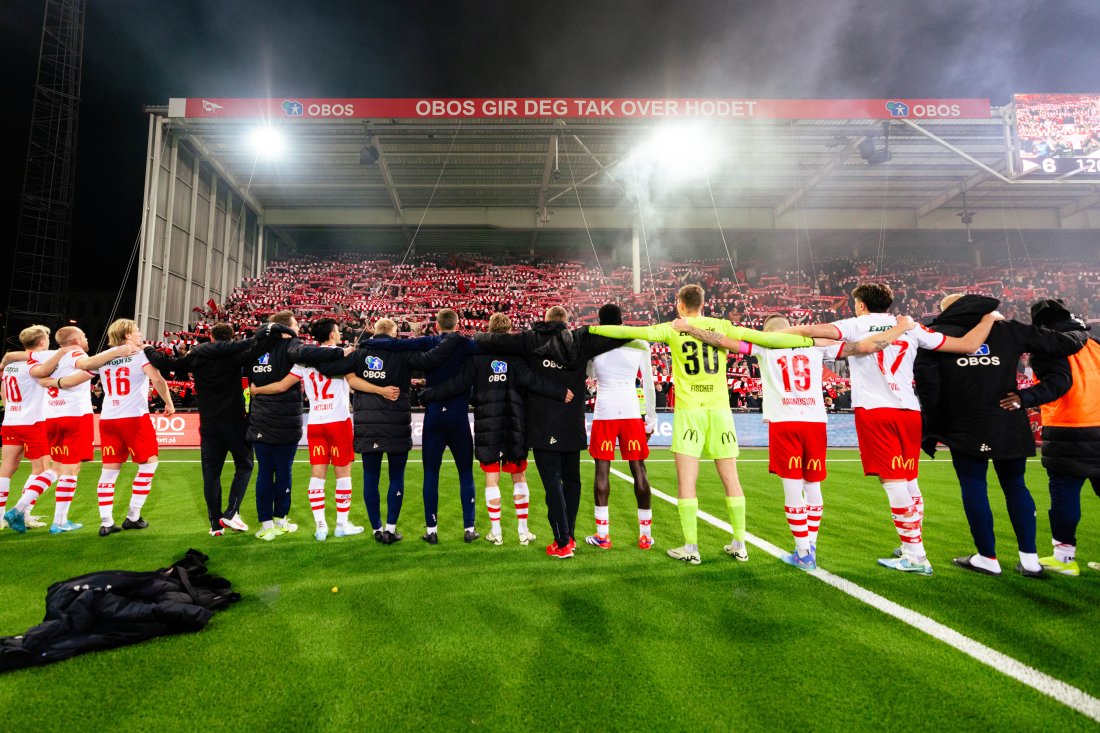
(1030, 561)
(522, 497)
(492, 494)
(391, 527)
(105, 493)
(35, 486)
(343, 500)
(5, 487)
(139, 492)
(1063, 552)
(433, 530)
(645, 523)
(918, 498)
(811, 490)
(603, 522)
(317, 499)
(986, 563)
(267, 525)
(63, 496)
(906, 519)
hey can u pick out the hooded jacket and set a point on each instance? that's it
(559, 355)
(960, 393)
(499, 384)
(1070, 449)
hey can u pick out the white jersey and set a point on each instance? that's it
(792, 382)
(329, 398)
(616, 374)
(125, 387)
(24, 398)
(885, 378)
(68, 402)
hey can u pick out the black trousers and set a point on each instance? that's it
(561, 477)
(217, 439)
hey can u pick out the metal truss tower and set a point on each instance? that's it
(40, 270)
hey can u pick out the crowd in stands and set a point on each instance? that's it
(1062, 125)
(356, 292)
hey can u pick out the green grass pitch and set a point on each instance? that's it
(504, 638)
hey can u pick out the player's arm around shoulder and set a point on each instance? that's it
(46, 368)
(283, 385)
(770, 339)
(660, 333)
(714, 338)
(161, 386)
(876, 342)
(967, 344)
(13, 356)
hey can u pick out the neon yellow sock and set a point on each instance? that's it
(689, 520)
(736, 505)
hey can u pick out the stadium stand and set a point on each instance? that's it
(356, 292)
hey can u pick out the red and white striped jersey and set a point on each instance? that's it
(792, 382)
(329, 397)
(885, 379)
(70, 401)
(24, 398)
(125, 387)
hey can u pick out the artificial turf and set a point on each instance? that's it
(503, 638)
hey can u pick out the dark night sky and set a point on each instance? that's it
(139, 52)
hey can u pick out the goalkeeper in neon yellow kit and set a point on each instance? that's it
(703, 423)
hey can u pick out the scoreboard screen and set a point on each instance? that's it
(1059, 134)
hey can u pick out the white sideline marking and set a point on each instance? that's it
(1064, 693)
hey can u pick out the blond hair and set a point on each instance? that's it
(775, 322)
(31, 336)
(499, 323)
(948, 301)
(283, 318)
(386, 326)
(66, 335)
(557, 313)
(119, 330)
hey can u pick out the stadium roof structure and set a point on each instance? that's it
(536, 175)
(542, 174)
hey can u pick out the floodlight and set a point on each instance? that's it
(679, 151)
(267, 142)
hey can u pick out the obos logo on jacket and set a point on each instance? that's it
(375, 368)
(500, 371)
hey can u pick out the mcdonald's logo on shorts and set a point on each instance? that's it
(729, 437)
(108, 450)
(814, 464)
(59, 450)
(794, 462)
(691, 434)
(607, 445)
(906, 464)
(335, 451)
(318, 450)
(634, 445)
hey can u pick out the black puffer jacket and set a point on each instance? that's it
(499, 384)
(960, 394)
(381, 425)
(114, 608)
(1073, 451)
(276, 419)
(559, 355)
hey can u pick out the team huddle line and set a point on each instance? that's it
(522, 387)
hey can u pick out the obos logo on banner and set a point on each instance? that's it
(294, 108)
(897, 108)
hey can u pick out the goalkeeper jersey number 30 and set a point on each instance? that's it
(699, 369)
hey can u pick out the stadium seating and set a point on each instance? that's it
(356, 292)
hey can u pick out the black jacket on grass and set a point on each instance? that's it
(499, 384)
(558, 355)
(960, 394)
(115, 608)
(276, 419)
(381, 425)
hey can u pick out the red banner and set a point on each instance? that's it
(306, 108)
